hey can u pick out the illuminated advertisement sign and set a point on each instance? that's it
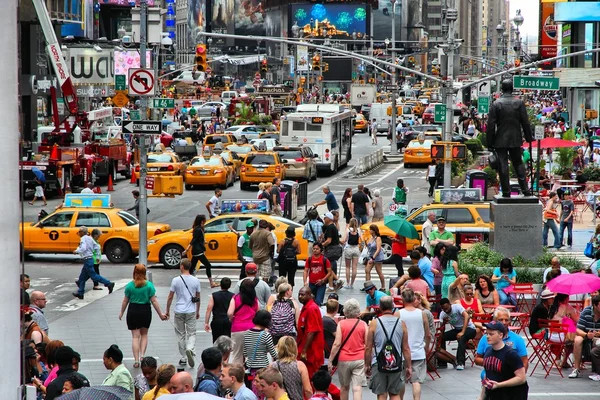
(335, 20)
(577, 11)
(548, 31)
(129, 59)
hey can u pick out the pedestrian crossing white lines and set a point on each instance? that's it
(578, 255)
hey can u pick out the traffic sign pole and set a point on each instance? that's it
(143, 204)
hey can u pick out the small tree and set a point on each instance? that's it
(566, 155)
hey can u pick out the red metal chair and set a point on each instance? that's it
(549, 347)
(430, 356)
(577, 304)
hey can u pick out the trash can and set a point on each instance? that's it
(476, 178)
(289, 199)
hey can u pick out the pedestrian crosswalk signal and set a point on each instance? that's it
(316, 63)
(325, 67)
(437, 151)
(459, 151)
(201, 65)
(264, 65)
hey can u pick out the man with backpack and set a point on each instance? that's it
(263, 291)
(386, 351)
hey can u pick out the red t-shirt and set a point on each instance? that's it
(399, 248)
(316, 269)
(310, 320)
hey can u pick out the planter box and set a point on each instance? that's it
(458, 180)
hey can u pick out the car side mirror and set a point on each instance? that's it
(284, 161)
(315, 156)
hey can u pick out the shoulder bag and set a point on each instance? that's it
(335, 360)
(195, 299)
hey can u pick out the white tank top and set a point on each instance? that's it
(416, 332)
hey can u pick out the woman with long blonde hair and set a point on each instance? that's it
(294, 372)
(139, 294)
(352, 248)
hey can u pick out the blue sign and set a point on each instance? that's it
(577, 12)
(87, 200)
(343, 19)
(244, 206)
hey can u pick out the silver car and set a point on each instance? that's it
(300, 162)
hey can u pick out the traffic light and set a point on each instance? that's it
(437, 151)
(459, 151)
(264, 65)
(316, 63)
(325, 67)
(591, 114)
(201, 65)
(302, 80)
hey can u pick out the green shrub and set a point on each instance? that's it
(492, 175)
(474, 146)
(591, 173)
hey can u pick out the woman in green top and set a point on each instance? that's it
(139, 293)
(119, 375)
(449, 268)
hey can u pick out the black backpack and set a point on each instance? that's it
(288, 253)
(389, 359)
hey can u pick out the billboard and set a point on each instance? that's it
(249, 20)
(91, 67)
(340, 69)
(129, 59)
(273, 22)
(548, 31)
(222, 20)
(196, 19)
(302, 60)
(382, 21)
(588, 11)
(337, 20)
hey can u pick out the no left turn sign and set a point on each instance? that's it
(141, 82)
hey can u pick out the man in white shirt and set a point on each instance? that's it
(214, 204)
(419, 339)
(89, 189)
(555, 265)
(86, 249)
(232, 378)
(427, 228)
(187, 311)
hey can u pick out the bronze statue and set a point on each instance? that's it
(508, 123)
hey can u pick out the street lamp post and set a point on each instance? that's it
(394, 145)
(500, 29)
(518, 20)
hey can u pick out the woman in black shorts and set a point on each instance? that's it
(139, 293)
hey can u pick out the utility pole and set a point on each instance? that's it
(143, 204)
(449, 48)
(394, 145)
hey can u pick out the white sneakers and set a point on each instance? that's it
(595, 377)
(575, 374)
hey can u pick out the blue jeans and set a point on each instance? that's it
(506, 299)
(362, 219)
(318, 292)
(88, 272)
(569, 226)
(551, 224)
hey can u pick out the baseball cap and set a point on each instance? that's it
(547, 294)
(250, 224)
(328, 215)
(251, 268)
(333, 296)
(441, 219)
(496, 326)
(368, 285)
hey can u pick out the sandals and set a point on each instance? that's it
(30, 203)
(215, 284)
(136, 364)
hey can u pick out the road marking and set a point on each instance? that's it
(547, 394)
(320, 188)
(89, 297)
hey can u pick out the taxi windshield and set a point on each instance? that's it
(213, 161)
(240, 149)
(425, 143)
(128, 218)
(213, 139)
(159, 158)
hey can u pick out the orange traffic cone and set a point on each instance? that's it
(54, 153)
(133, 180)
(110, 184)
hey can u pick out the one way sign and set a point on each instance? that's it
(483, 89)
(130, 127)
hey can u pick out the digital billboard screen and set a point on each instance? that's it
(340, 69)
(328, 19)
(588, 11)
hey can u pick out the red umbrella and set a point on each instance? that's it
(552, 143)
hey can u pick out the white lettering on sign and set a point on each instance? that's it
(58, 62)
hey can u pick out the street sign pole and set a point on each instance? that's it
(394, 149)
(143, 204)
(451, 17)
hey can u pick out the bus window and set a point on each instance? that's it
(284, 128)
(313, 128)
(298, 126)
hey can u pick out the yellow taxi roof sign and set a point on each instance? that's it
(87, 200)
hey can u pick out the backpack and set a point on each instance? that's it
(283, 317)
(389, 359)
(288, 253)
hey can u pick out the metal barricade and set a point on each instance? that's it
(303, 195)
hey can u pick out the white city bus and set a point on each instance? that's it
(325, 128)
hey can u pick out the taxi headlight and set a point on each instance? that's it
(152, 241)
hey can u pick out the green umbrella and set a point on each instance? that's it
(401, 226)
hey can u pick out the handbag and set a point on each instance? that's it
(364, 256)
(493, 160)
(250, 373)
(589, 250)
(336, 359)
(333, 252)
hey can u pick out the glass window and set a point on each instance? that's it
(212, 161)
(159, 158)
(128, 218)
(484, 213)
(298, 126)
(290, 154)
(92, 219)
(259, 158)
(240, 224)
(286, 221)
(60, 219)
(284, 128)
(313, 128)
(459, 216)
(421, 217)
(219, 225)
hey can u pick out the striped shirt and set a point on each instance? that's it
(257, 344)
(586, 320)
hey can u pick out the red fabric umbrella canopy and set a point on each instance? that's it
(552, 143)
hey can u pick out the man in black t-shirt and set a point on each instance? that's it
(64, 357)
(333, 252)
(358, 206)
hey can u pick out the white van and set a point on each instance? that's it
(378, 113)
(227, 95)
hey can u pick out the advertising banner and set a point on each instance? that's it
(457, 195)
(244, 206)
(91, 67)
(87, 200)
(302, 58)
(548, 31)
(588, 11)
(129, 59)
(196, 21)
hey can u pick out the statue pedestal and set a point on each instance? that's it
(517, 227)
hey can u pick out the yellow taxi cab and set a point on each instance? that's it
(418, 152)
(221, 236)
(233, 159)
(261, 166)
(209, 171)
(225, 138)
(471, 221)
(360, 123)
(417, 107)
(165, 163)
(425, 99)
(242, 150)
(58, 231)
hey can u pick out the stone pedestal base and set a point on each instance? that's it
(517, 228)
